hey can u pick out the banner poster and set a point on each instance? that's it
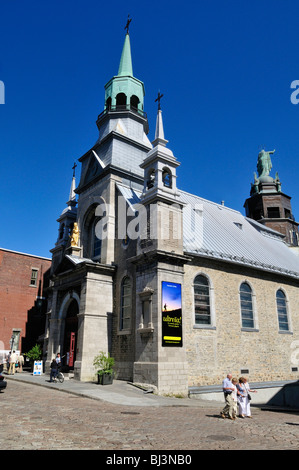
(38, 368)
(172, 314)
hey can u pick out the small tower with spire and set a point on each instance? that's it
(160, 259)
(160, 166)
(68, 215)
(160, 195)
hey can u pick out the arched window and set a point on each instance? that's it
(202, 301)
(246, 306)
(151, 179)
(126, 304)
(93, 231)
(282, 310)
(166, 178)
(96, 241)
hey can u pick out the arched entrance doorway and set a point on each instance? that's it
(70, 334)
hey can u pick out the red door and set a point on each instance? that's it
(72, 349)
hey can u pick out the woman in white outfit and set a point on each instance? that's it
(248, 389)
(242, 398)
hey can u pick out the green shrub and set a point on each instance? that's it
(104, 363)
(35, 354)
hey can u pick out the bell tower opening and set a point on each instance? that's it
(121, 100)
(134, 102)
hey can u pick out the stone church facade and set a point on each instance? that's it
(180, 290)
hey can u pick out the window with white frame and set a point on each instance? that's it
(202, 304)
(246, 302)
(282, 311)
(34, 274)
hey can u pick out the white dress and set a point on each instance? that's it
(242, 401)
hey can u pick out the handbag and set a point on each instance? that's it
(249, 396)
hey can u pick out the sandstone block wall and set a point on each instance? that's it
(266, 352)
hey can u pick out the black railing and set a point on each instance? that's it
(120, 108)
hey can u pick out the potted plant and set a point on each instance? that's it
(104, 364)
(35, 354)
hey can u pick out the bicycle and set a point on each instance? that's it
(59, 377)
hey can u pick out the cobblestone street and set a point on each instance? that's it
(40, 418)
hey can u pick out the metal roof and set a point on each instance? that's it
(216, 231)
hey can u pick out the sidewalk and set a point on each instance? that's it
(120, 392)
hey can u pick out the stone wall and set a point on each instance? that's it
(213, 351)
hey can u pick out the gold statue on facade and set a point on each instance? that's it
(75, 235)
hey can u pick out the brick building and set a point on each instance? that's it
(23, 280)
(180, 290)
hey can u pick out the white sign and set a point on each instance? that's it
(38, 368)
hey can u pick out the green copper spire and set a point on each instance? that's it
(125, 66)
(124, 91)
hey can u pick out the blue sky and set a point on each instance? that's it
(225, 69)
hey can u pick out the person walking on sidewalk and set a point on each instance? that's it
(228, 388)
(12, 363)
(234, 396)
(242, 398)
(21, 362)
(247, 411)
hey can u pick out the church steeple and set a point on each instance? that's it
(123, 127)
(125, 65)
(72, 197)
(124, 91)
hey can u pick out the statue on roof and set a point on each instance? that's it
(255, 185)
(264, 163)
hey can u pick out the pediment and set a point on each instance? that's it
(94, 168)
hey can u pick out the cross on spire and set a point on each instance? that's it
(128, 24)
(74, 169)
(159, 100)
